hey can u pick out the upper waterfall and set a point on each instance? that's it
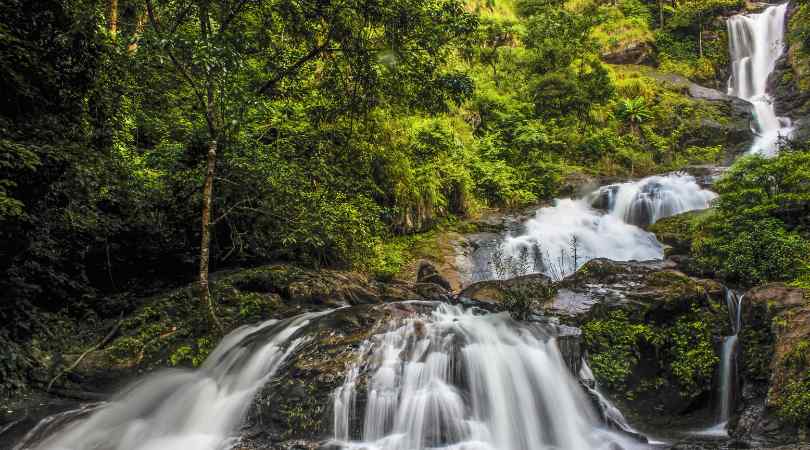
(756, 42)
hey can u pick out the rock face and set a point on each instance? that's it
(635, 53)
(649, 332)
(729, 127)
(789, 84)
(294, 409)
(775, 365)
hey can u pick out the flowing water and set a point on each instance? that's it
(728, 357)
(604, 224)
(177, 409)
(447, 377)
(452, 379)
(756, 42)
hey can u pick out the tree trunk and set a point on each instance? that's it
(205, 244)
(112, 17)
(700, 41)
(661, 14)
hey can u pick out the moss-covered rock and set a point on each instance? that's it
(171, 329)
(790, 82)
(775, 364)
(651, 335)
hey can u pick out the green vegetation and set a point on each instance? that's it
(144, 143)
(624, 352)
(758, 232)
(614, 342)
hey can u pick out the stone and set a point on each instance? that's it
(634, 53)
(427, 273)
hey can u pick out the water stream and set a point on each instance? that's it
(756, 42)
(180, 409)
(606, 223)
(454, 379)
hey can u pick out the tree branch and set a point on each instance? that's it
(231, 16)
(293, 69)
(183, 70)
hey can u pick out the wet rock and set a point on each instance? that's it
(651, 287)
(294, 409)
(789, 83)
(774, 342)
(494, 291)
(427, 273)
(631, 314)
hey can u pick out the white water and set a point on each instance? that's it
(756, 42)
(451, 379)
(728, 356)
(611, 414)
(178, 409)
(649, 200)
(560, 238)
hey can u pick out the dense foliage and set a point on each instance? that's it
(341, 129)
(759, 231)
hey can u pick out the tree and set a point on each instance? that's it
(697, 14)
(234, 56)
(633, 112)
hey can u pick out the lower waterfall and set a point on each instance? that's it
(180, 409)
(453, 379)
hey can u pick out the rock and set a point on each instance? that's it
(427, 273)
(789, 83)
(493, 291)
(729, 127)
(774, 342)
(651, 287)
(634, 53)
(613, 300)
(294, 408)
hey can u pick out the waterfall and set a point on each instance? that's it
(180, 409)
(756, 42)
(610, 413)
(728, 356)
(452, 379)
(603, 224)
(727, 376)
(647, 201)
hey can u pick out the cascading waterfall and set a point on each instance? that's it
(452, 379)
(647, 201)
(610, 413)
(756, 42)
(728, 357)
(180, 409)
(560, 238)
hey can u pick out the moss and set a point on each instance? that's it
(693, 357)
(758, 351)
(613, 344)
(794, 403)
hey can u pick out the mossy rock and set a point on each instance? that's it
(651, 335)
(775, 363)
(172, 329)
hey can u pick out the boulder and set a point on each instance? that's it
(640, 320)
(634, 53)
(427, 273)
(494, 291)
(775, 364)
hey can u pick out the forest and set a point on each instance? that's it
(157, 156)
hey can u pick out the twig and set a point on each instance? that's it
(95, 347)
